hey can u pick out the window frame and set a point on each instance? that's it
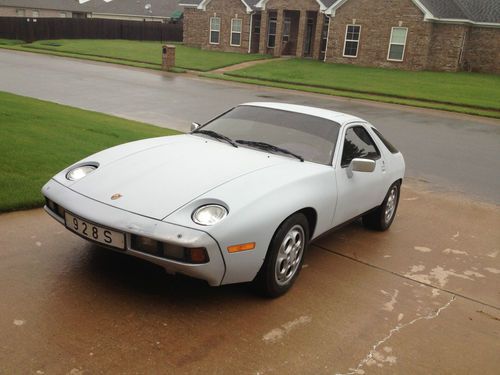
(397, 44)
(236, 32)
(342, 140)
(275, 21)
(351, 40)
(213, 30)
(287, 29)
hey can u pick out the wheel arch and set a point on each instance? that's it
(312, 218)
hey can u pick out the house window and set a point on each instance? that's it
(286, 29)
(271, 38)
(214, 30)
(351, 43)
(256, 26)
(20, 12)
(397, 44)
(236, 32)
(35, 13)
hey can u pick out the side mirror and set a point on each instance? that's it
(362, 165)
(194, 126)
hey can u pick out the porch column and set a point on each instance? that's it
(301, 33)
(280, 21)
(317, 36)
(264, 21)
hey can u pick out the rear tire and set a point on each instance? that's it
(284, 257)
(382, 217)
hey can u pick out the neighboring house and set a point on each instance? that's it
(135, 10)
(448, 35)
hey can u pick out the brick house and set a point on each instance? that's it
(449, 35)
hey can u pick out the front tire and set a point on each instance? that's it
(284, 257)
(382, 217)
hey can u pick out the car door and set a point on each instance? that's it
(358, 192)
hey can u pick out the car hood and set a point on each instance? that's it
(160, 178)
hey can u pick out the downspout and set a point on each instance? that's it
(327, 36)
(250, 32)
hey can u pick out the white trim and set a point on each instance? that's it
(203, 5)
(397, 44)
(350, 40)
(210, 32)
(232, 32)
(460, 21)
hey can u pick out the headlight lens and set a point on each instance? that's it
(80, 172)
(209, 215)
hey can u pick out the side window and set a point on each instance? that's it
(387, 144)
(358, 144)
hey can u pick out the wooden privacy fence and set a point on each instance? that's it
(30, 29)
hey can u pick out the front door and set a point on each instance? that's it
(358, 192)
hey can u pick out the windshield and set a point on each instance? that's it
(312, 138)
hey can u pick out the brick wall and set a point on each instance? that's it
(311, 5)
(197, 25)
(376, 19)
(445, 47)
(482, 50)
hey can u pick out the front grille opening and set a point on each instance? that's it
(55, 208)
(160, 249)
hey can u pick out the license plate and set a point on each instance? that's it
(94, 232)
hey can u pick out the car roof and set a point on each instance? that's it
(338, 117)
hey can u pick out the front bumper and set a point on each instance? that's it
(130, 223)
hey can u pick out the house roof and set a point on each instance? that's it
(158, 8)
(481, 12)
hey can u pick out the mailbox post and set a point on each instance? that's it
(167, 57)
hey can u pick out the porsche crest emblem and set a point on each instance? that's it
(116, 196)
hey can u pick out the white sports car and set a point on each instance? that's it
(239, 198)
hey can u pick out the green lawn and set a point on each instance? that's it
(40, 138)
(10, 42)
(467, 89)
(144, 52)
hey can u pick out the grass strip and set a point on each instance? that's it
(148, 52)
(40, 138)
(354, 95)
(474, 90)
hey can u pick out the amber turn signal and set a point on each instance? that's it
(241, 247)
(197, 255)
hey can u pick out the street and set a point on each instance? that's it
(451, 151)
(420, 298)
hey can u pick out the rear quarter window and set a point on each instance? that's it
(387, 144)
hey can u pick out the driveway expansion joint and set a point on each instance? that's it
(407, 278)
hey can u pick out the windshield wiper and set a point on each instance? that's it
(216, 135)
(269, 147)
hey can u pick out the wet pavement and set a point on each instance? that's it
(453, 151)
(421, 298)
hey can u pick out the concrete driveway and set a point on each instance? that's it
(422, 298)
(454, 152)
